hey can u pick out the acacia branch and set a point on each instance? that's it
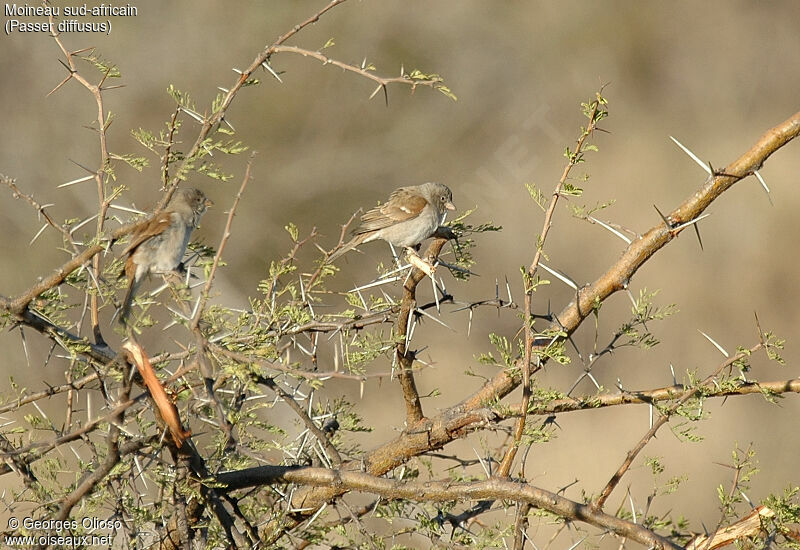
(333, 454)
(649, 397)
(443, 491)
(382, 81)
(100, 174)
(405, 358)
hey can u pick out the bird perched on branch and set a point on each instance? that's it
(411, 215)
(158, 245)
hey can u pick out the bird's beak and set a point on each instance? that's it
(449, 205)
(209, 203)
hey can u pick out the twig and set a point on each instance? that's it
(598, 502)
(594, 116)
(382, 81)
(223, 241)
(336, 459)
(216, 118)
(40, 209)
(649, 397)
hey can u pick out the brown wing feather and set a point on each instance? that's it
(147, 229)
(403, 205)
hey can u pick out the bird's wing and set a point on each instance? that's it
(147, 229)
(403, 205)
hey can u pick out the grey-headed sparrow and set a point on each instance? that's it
(411, 215)
(158, 245)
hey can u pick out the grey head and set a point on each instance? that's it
(190, 201)
(438, 195)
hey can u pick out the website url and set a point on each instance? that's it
(49, 540)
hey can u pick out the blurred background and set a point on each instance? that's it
(714, 74)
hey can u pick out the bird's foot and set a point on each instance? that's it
(423, 265)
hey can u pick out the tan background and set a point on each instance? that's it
(713, 74)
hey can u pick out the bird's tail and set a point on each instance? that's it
(347, 247)
(126, 303)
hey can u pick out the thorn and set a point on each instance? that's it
(699, 238)
(693, 156)
(363, 302)
(269, 68)
(84, 222)
(611, 229)
(666, 221)
(630, 295)
(79, 180)
(563, 278)
(435, 295)
(691, 222)
(377, 282)
(716, 345)
(58, 87)
(764, 185)
(429, 316)
(38, 234)
(593, 379)
(633, 506)
(408, 332)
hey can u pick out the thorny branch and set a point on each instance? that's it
(405, 357)
(496, 489)
(453, 422)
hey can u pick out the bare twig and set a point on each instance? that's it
(40, 209)
(382, 81)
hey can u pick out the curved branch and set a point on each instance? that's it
(442, 491)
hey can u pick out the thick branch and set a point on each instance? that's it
(405, 358)
(432, 491)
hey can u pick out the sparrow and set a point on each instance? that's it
(411, 215)
(158, 244)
